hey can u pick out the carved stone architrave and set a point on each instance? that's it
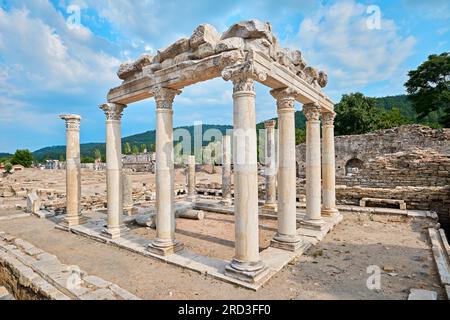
(113, 111)
(164, 97)
(311, 111)
(328, 118)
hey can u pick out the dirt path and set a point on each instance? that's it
(335, 269)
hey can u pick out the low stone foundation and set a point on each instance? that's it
(32, 274)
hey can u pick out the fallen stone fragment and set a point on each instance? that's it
(419, 294)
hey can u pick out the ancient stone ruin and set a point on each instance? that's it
(245, 53)
(302, 189)
(410, 164)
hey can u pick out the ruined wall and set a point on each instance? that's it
(369, 146)
(142, 162)
(410, 163)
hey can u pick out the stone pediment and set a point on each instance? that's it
(249, 46)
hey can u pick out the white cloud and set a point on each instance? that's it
(337, 40)
(52, 59)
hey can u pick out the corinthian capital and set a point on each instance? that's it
(72, 121)
(311, 111)
(285, 98)
(243, 75)
(164, 97)
(113, 111)
(328, 118)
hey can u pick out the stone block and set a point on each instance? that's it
(33, 203)
(419, 294)
(96, 281)
(100, 294)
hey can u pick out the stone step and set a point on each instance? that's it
(441, 257)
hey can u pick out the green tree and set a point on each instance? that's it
(87, 160)
(143, 148)
(22, 157)
(356, 114)
(127, 148)
(97, 154)
(429, 87)
(391, 119)
(62, 158)
(8, 167)
(135, 149)
(153, 147)
(300, 136)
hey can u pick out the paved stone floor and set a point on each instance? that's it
(335, 269)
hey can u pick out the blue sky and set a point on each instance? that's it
(49, 67)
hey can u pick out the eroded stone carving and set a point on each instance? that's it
(311, 111)
(128, 69)
(285, 98)
(164, 97)
(247, 69)
(246, 36)
(204, 34)
(113, 111)
(328, 118)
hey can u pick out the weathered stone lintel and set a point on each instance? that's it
(270, 73)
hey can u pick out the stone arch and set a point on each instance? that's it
(353, 166)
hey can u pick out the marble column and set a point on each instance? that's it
(191, 178)
(270, 166)
(226, 170)
(73, 171)
(128, 196)
(165, 243)
(246, 264)
(115, 227)
(313, 167)
(328, 165)
(286, 237)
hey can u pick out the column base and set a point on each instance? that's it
(130, 211)
(313, 224)
(73, 221)
(288, 243)
(115, 233)
(248, 272)
(330, 212)
(165, 247)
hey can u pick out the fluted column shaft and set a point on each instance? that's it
(73, 170)
(165, 243)
(286, 237)
(313, 166)
(270, 165)
(115, 226)
(191, 177)
(226, 169)
(328, 165)
(246, 263)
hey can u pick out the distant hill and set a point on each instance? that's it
(400, 102)
(5, 155)
(147, 138)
